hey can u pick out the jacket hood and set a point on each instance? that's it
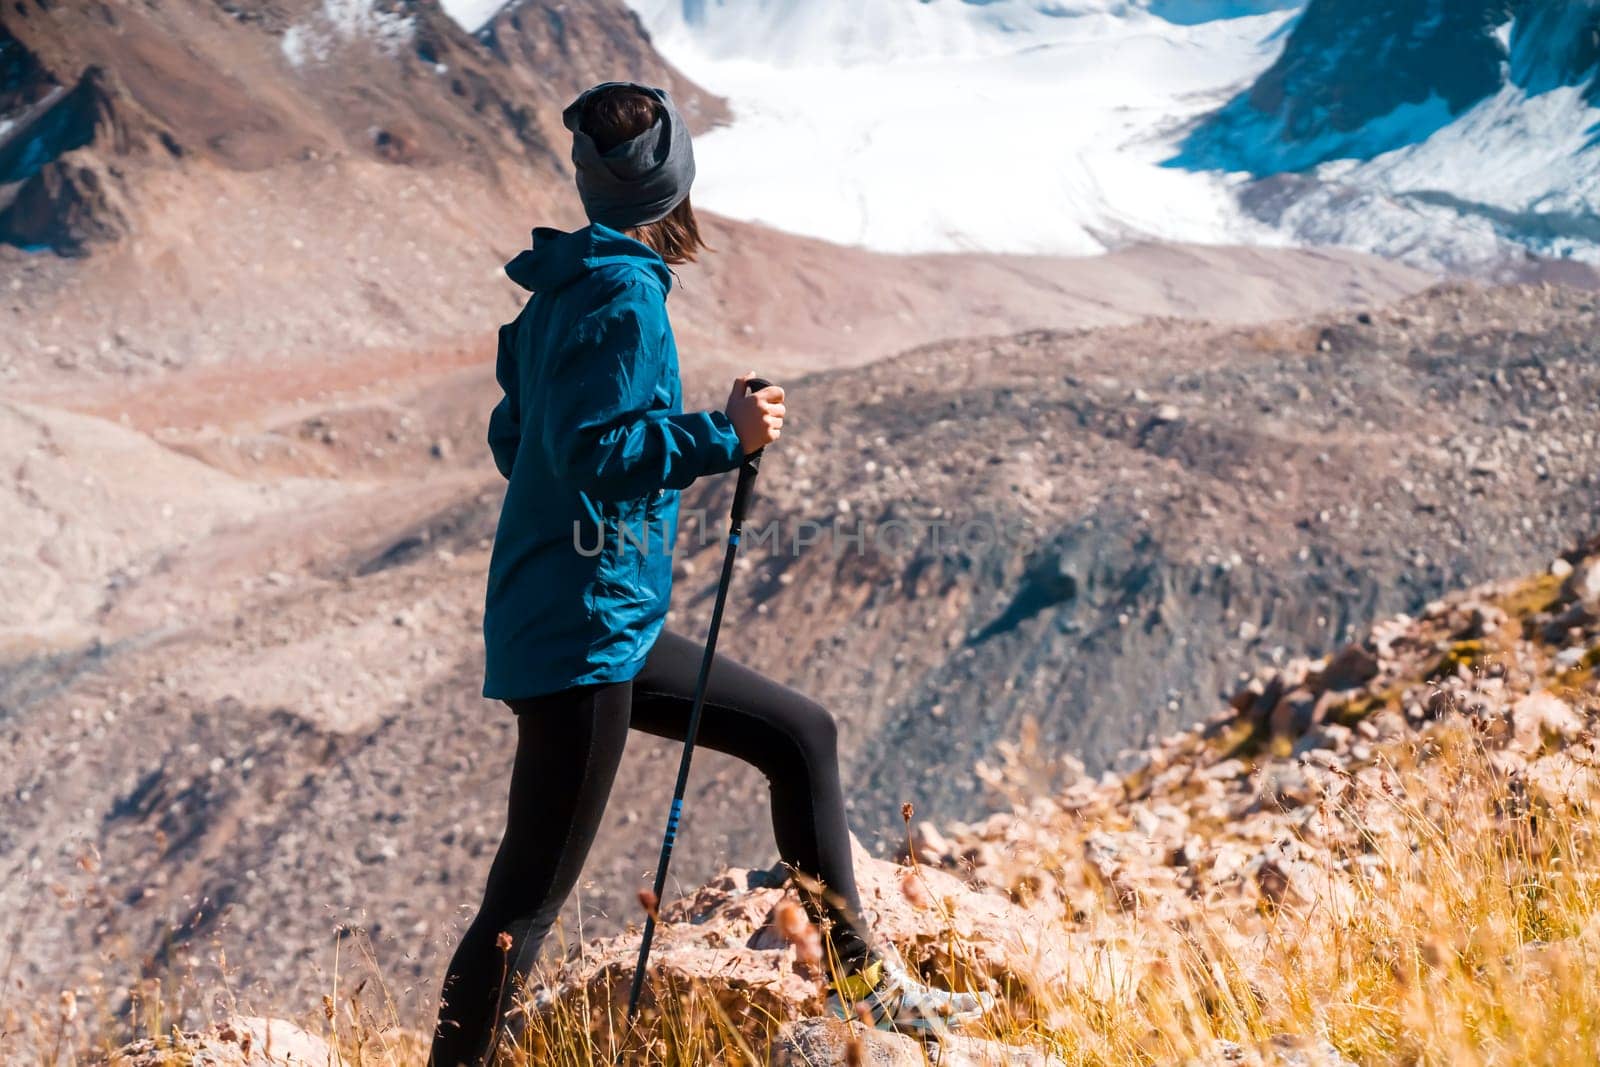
(558, 257)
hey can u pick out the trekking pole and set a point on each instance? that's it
(741, 502)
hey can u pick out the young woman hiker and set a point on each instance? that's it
(592, 438)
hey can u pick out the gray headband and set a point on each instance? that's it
(638, 181)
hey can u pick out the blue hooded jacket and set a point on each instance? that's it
(592, 438)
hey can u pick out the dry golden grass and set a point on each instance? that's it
(1440, 905)
(1470, 935)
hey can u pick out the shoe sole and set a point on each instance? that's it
(918, 1025)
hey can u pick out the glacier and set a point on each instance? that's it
(1066, 127)
(1028, 126)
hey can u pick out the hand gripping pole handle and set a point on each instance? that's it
(744, 490)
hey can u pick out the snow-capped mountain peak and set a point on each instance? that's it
(1451, 133)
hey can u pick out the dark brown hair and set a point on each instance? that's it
(617, 115)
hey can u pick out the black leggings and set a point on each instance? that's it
(569, 745)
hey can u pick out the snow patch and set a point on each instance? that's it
(472, 15)
(1517, 172)
(1547, 43)
(1502, 33)
(298, 45)
(340, 22)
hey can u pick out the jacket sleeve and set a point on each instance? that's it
(505, 421)
(602, 432)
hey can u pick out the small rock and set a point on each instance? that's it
(1295, 714)
(239, 1042)
(1353, 666)
(928, 845)
(1295, 1051)
(1288, 786)
(1570, 659)
(1232, 1051)
(1226, 770)
(1484, 620)
(1583, 584)
(1538, 716)
(1560, 781)
(1327, 735)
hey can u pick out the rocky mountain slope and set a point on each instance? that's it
(1310, 807)
(340, 202)
(190, 183)
(258, 723)
(1355, 857)
(1129, 492)
(102, 103)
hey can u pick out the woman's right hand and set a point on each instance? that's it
(757, 417)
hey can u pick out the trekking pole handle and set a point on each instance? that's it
(744, 491)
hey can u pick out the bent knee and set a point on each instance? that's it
(817, 731)
(804, 740)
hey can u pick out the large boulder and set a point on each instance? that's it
(723, 943)
(827, 1042)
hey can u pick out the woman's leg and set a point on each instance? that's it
(794, 742)
(568, 747)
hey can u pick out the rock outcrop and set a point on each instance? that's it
(1349, 65)
(239, 1042)
(1297, 806)
(724, 942)
(1072, 523)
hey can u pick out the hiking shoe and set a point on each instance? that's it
(524, 1007)
(896, 1001)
